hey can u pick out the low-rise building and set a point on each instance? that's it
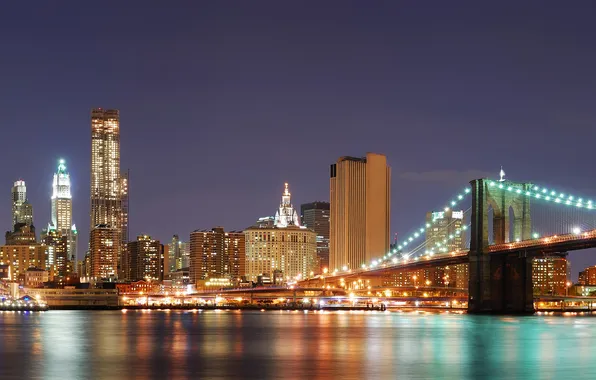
(35, 277)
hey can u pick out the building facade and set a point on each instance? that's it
(58, 263)
(104, 252)
(445, 233)
(61, 213)
(109, 193)
(179, 254)
(587, 276)
(22, 211)
(551, 274)
(216, 254)
(360, 192)
(144, 260)
(285, 249)
(19, 258)
(315, 216)
(23, 234)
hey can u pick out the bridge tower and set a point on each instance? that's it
(499, 283)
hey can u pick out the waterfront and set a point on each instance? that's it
(282, 344)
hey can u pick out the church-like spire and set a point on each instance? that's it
(286, 215)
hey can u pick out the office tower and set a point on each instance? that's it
(315, 216)
(216, 254)
(61, 214)
(58, 260)
(283, 248)
(109, 189)
(550, 274)
(144, 260)
(360, 192)
(22, 211)
(445, 233)
(179, 254)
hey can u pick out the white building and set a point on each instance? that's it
(285, 247)
(61, 216)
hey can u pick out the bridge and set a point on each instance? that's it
(497, 261)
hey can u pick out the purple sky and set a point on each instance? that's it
(220, 104)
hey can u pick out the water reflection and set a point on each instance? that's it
(318, 345)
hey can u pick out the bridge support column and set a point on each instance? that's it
(479, 299)
(511, 284)
(498, 283)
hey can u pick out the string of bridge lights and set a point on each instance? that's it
(545, 194)
(535, 191)
(416, 235)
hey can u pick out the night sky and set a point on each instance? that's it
(222, 102)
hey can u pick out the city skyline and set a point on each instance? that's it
(393, 97)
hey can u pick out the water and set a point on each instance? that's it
(293, 345)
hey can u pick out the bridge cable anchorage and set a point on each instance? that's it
(416, 235)
(569, 223)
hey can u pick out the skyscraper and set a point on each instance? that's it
(108, 191)
(360, 192)
(179, 254)
(22, 211)
(445, 233)
(61, 215)
(315, 216)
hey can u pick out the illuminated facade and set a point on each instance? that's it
(61, 215)
(286, 215)
(22, 211)
(551, 274)
(587, 276)
(19, 258)
(284, 248)
(58, 263)
(216, 254)
(315, 216)
(144, 260)
(23, 234)
(451, 276)
(445, 233)
(179, 254)
(109, 192)
(360, 192)
(105, 248)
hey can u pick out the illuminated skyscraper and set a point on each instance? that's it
(445, 233)
(109, 189)
(179, 254)
(22, 211)
(360, 200)
(61, 215)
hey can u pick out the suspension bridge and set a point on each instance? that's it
(504, 226)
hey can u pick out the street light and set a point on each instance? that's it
(567, 288)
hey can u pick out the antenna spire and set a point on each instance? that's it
(502, 175)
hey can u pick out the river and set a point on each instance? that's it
(293, 345)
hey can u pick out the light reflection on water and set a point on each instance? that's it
(267, 345)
